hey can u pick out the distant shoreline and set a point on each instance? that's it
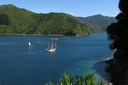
(34, 34)
(54, 34)
(47, 34)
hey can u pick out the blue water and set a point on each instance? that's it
(23, 65)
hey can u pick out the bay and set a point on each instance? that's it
(23, 65)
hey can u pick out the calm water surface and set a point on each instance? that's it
(23, 65)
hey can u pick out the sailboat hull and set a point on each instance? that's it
(51, 50)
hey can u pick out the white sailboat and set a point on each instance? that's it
(51, 49)
(29, 44)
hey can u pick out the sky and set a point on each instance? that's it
(78, 8)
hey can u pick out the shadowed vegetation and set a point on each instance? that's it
(118, 33)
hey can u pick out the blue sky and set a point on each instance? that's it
(81, 8)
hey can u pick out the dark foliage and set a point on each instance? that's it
(118, 33)
(4, 19)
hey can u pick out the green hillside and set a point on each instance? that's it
(15, 20)
(97, 23)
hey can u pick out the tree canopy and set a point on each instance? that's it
(118, 33)
(15, 20)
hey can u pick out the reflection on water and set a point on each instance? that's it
(23, 65)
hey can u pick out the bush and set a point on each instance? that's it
(67, 80)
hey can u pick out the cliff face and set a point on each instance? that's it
(118, 33)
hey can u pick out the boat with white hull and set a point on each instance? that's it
(29, 44)
(51, 49)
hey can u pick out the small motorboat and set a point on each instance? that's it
(29, 44)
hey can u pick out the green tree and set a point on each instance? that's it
(67, 80)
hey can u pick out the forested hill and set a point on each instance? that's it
(15, 20)
(97, 23)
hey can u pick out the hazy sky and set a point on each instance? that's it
(82, 8)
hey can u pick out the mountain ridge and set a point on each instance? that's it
(14, 20)
(97, 23)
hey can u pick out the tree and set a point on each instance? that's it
(67, 80)
(118, 32)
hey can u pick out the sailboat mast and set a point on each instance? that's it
(48, 45)
(55, 44)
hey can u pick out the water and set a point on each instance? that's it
(23, 65)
